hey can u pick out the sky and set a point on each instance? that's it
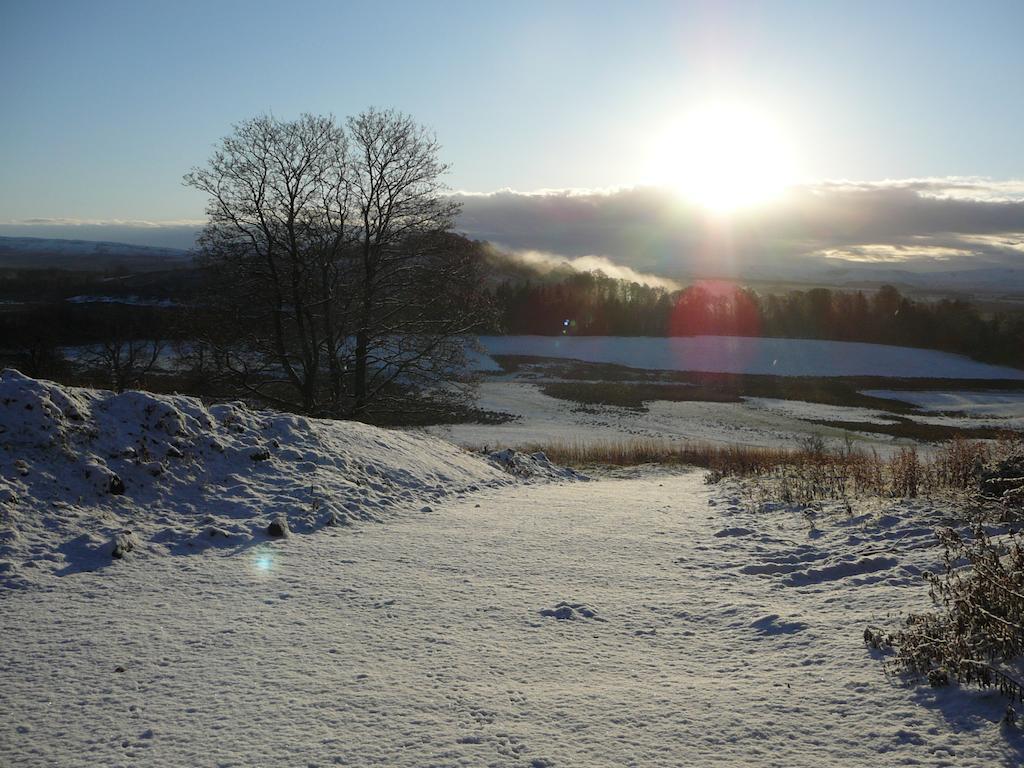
(107, 104)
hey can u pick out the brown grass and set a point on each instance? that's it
(627, 453)
(813, 471)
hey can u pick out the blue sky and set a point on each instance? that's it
(107, 104)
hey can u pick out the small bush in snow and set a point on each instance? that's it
(979, 624)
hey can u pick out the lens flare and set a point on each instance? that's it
(263, 562)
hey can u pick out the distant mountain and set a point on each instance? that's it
(986, 280)
(40, 253)
(991, 280)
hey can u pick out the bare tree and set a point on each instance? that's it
(408, 325)
(126, 354)
(337, 283)
(275, 246)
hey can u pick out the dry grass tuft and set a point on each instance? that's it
(726, 459)
(810, 472)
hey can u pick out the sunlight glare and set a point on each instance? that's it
(724, 156)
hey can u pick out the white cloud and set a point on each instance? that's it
(649, 233)
(591, 263)
(923, 224)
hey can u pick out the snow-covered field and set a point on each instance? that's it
(734, 354)
(500, 614)
(755, 421)
(543, 420)
(990, 404)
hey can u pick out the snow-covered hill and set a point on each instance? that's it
(86, 475)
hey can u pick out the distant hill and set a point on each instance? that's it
(979, 281)
(105, 256)
(42, 253)
(989, 281)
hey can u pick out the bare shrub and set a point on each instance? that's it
(980, 621)
(722, 460)
(812, 471)
(961, 463)
(906, 473)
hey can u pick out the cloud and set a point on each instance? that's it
(881, 253)
(917, 224)
(545, 262)
(649, 234)
(133, 223)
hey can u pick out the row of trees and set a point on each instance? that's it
(592, 304)
(221, 346)
(334, 281)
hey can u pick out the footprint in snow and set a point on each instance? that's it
(773, 625)
(572, 611)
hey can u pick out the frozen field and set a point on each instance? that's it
(756, 421)
(733, 354)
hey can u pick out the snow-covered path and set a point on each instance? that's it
(421, 642)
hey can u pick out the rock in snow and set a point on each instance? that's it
(80, 468)
(278, 527)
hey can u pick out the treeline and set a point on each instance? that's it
(178, 330)
(590, 304)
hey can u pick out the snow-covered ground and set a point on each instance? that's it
(733, 354)
(490, 619)
(83, 471)
(756, 421)
(695, 632)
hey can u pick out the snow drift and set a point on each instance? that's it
(89, 475)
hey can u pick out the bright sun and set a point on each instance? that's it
(724, 156)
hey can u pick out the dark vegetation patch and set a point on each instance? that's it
(610, 384)
(915, 430)
(633, 395)
(418, 414)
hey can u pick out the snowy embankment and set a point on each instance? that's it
(86, 475)
(736, 354)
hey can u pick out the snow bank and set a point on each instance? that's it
(533, 465)
(87, 474)
(733, 354)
